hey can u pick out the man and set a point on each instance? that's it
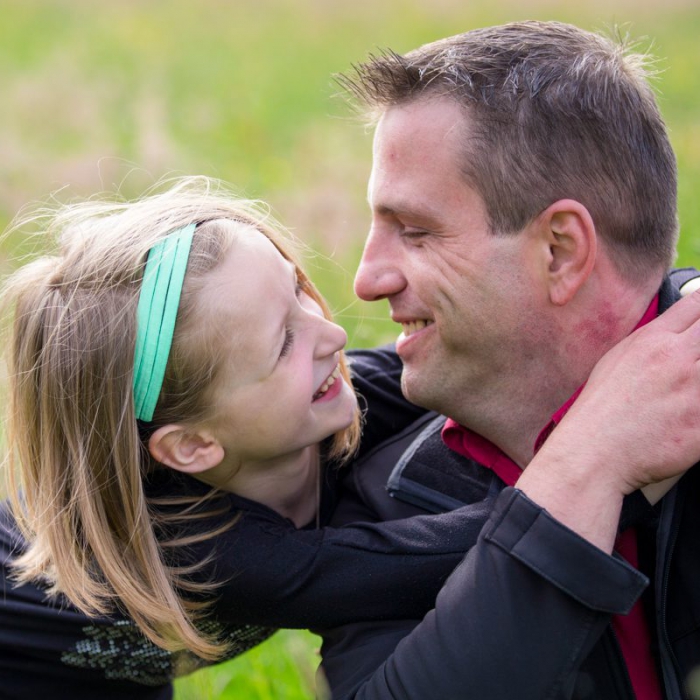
(523, 197)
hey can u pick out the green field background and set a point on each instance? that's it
(112, 96)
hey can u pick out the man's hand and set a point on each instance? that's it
(642, 401)
(636, 423)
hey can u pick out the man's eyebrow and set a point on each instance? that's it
(422, 214)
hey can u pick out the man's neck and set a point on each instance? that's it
(513, 419)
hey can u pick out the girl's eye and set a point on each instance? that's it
(288, 341)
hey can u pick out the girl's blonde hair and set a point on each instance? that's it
(73, 439)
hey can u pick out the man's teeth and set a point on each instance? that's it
(335, 374)
(413, 326)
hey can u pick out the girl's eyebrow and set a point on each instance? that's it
(295, 275)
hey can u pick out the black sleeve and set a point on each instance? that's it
(271, 574)
(515, 620)
(376, 375)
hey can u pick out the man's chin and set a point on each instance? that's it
(416, 391)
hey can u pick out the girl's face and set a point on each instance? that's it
(279, 390)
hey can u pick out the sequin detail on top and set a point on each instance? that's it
(122, 652)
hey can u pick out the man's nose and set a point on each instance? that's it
(379, 274)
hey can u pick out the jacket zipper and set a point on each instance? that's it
(667, 535)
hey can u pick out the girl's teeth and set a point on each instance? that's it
(335, 374)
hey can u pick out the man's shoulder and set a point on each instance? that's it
(364, 487)
(678, 283)
(415, 473)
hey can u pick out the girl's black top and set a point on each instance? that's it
(269, 573)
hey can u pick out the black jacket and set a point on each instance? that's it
(527, 614)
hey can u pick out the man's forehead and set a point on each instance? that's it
(434, 117)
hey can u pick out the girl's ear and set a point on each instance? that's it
(184, 450)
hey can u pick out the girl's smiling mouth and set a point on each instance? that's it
(327, 384)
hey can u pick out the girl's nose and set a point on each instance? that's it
(331, 339)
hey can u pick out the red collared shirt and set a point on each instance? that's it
(632, 630)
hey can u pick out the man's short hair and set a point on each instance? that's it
(553, 112)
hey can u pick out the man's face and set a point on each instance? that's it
(466, 298)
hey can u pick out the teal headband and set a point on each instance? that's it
(155, 317)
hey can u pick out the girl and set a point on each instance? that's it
(179, 407)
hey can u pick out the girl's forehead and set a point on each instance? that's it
(250, 288)
(249, 257)
(246, 302)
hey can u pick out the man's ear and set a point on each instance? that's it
(185, 450)
(571, 243)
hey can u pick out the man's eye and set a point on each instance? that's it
(288, 341)
(413, 234)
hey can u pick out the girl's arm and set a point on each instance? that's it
(271, 574)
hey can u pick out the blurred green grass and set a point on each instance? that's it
(99, 96)
(282, 667)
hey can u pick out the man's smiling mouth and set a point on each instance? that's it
(412, 327)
